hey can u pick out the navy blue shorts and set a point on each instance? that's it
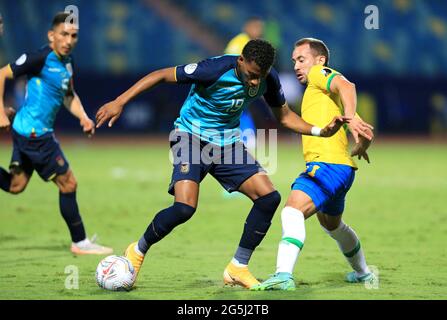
(193, 159)
(42, 154)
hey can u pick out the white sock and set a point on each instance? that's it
(349, 245)
(293, 236)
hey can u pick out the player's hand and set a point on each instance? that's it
(111, 110)
(88, 126)
(360, 149)
(334, 126)
(358, 127)
(5, 124)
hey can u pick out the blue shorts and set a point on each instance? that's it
(193, 159)
(42, 154)
(327, 185)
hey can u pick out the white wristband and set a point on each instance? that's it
(315, 131)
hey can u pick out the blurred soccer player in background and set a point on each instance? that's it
(330, 170)
(222, 87)
(253, 29)
(49, 73)
(1, 25)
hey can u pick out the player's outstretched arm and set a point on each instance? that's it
(348, 96)
(73, 104)
(291, 120)
(112, 110)
(5, 73)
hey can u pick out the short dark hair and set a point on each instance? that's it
(318, 46)
(60, 17)
(261, 52)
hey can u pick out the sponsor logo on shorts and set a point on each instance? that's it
(184, 168)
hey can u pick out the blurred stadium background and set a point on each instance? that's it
(398, 69)
(397, 204)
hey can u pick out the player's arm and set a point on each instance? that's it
(348, 96)
(112, 110)
(74, 105)
(274, 96)
(5, 73)
(294, 122)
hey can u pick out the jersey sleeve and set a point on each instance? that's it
(206, 71)
(29, 63)
(274, 95)
(321, 77)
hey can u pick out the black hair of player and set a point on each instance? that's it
(316, 45)
(60, 17)
(261, 52)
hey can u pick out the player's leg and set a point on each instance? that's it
(19, 180)
(299, 206)
(69, 210)
(183, 208)
(306, 197)
(20, 169)
(244, 174)
(184, 185)
(349, 244)
(266, 200)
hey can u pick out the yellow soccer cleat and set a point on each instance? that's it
(134, 257)
(234, 275)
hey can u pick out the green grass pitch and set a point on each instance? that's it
(397, 206)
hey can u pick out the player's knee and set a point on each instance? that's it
(269, 202)
(17, 188)
(67, 184)
(331, 226)
(183, 211)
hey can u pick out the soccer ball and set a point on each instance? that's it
(115, 273)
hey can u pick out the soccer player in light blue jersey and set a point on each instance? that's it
(49, 73)
(222, 87)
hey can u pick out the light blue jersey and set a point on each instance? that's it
(218, 96)
(49, 79)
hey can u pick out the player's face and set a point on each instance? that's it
(63, 38)
(250, 72)
(303, 59)
(255, 29)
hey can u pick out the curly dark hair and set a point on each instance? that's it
(261, 52)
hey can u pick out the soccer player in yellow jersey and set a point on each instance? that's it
(330, 170)
(253, 29)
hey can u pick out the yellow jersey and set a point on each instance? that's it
(319, 107)
(236, 44)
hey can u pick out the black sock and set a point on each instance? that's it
(5, 180)
(259, 220)
(163, 223)
(70, 212)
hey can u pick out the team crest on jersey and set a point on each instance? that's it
(326, 71)
(60, 161)
(190, 68)
(184, 168)
(253, 91)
